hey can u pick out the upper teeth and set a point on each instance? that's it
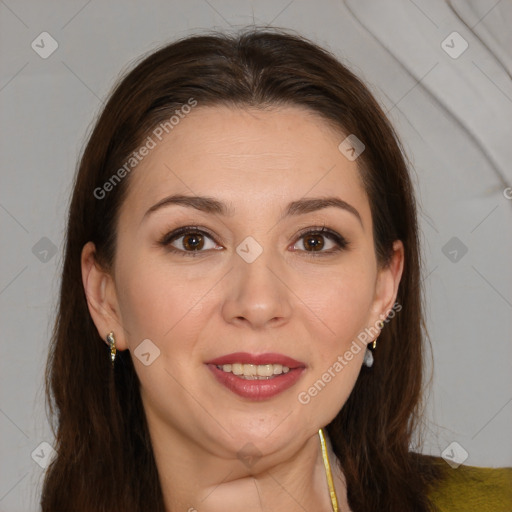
(254, 370)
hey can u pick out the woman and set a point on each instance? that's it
(240, 321)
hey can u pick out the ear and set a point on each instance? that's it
(386, 287)
(101, 297)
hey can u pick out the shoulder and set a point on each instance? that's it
(468, 488)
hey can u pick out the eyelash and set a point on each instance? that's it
(341, 242)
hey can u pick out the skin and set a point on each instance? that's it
(290, 300)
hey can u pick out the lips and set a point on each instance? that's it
(256, 389)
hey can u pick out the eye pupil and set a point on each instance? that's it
(315, 246)
(193, 241)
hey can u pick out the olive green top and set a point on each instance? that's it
(469, 488)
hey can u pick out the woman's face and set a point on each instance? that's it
(249, 276)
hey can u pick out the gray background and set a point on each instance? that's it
(453, 114)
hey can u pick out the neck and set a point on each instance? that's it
(194, 479)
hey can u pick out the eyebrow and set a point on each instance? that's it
(210, 205)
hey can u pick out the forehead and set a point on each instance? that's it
(247, 155)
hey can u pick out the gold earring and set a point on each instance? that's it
(381, 326)
(368, 356)
(112, 344)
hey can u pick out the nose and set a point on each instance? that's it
(256, 293)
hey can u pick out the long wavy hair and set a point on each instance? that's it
(104, 458)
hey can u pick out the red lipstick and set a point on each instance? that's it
(257, 389)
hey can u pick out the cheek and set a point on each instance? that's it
(348, 300)
(156, 304)
(341, 299)
(343, 304)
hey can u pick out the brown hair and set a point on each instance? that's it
(104, 458)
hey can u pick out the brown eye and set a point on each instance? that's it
(314, 242)
(188, 240)
(193, 242)
(322, 242)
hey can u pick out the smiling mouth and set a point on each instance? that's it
(253, 371)
(256, 376)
